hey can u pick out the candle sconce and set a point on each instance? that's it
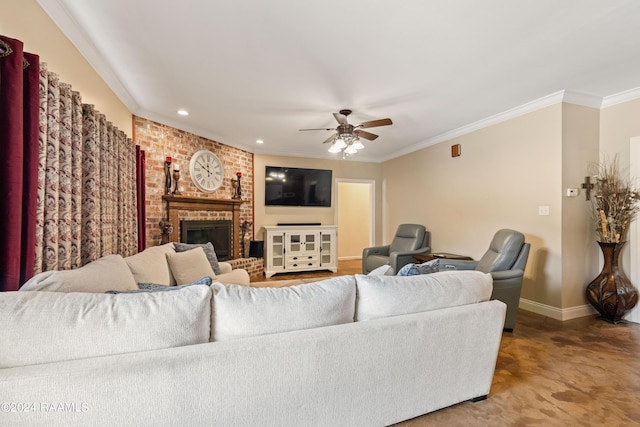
(237, 188)
(167, 176)
(176, 180)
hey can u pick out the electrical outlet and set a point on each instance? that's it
(543, 210)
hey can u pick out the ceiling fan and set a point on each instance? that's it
(347, 136)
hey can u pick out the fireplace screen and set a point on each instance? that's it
(216, 232)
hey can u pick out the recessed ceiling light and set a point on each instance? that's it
(183, 112)
(259, 141)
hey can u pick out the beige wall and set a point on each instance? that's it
(504, 173)
(580, 135)
(25, 20)
(272, 215)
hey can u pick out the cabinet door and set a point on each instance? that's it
(300, 242)
(328, 248)
(275, 247)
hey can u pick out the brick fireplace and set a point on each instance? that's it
(159, 141)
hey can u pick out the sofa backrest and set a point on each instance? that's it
(384, 296)
(241, 311)
(42, 327)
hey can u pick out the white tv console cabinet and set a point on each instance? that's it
(291, 248)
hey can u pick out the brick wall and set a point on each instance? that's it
(159, 141)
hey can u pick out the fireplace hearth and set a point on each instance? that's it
(217, 232)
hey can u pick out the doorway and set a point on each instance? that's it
(355, 217)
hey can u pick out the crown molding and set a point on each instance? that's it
(619, 98)
(535, 105)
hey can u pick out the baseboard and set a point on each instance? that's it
(557, 313)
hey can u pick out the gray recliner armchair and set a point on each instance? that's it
(506, 260)
(409, 240)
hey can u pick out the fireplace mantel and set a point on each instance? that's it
(186, 203)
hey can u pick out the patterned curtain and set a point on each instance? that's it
(87, 203)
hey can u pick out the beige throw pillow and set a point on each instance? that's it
(189, 266)
(150, 265)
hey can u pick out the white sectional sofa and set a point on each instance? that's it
(346, 351)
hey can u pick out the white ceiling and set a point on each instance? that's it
(250, 70)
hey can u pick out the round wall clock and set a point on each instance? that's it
(206, 171)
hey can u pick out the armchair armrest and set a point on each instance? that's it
(225, 267)
(507, 274)
(397, 260)
(376, 250)
(457, 264)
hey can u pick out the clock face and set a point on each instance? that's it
(206, 171)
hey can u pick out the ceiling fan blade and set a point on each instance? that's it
(330, 139)
(375, 123)
(342, 119)
(318, 129)
(366, 135)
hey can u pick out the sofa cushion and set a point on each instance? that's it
(43, 327)
(106, 273)
(208, 250)
(384, 296)
(189, 266)
(150, 265)
(241, 311)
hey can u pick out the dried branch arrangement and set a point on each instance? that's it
(615, 201)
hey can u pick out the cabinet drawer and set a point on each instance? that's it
(304, 257)
(305, 261)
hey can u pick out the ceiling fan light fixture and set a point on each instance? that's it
(347, 136)
(334, 149)
(351, 150)
(357, 145)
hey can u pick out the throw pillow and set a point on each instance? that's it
(189, 266)
(384, 296)
(103, 274)
(428, 267)
(154, 287)
(43, 327)
(242, 311)
(208, 250)
(151, 266)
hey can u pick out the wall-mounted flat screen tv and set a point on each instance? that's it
(297, 187)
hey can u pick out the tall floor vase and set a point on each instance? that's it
(611, 293)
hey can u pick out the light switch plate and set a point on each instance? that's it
(543, 210)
